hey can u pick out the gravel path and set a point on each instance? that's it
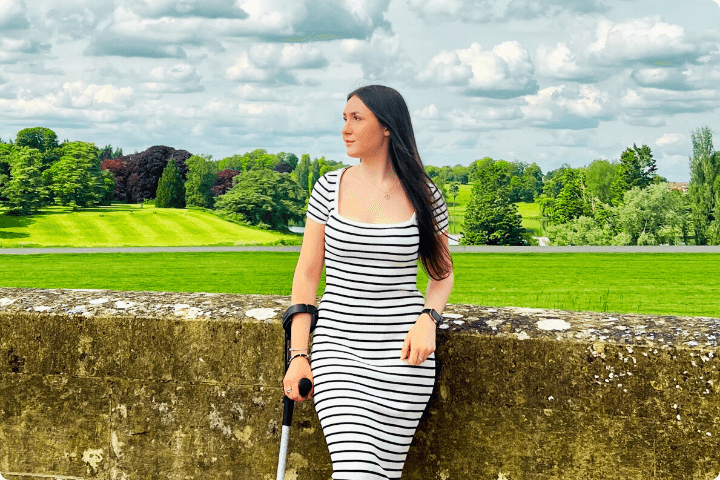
(453, 249)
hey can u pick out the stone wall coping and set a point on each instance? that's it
(659, 331)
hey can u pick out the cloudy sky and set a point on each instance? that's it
(546, 81)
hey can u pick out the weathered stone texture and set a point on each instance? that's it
(157, 385)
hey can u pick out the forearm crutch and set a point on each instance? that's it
(304, 386)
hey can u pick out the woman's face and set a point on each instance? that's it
(367, 137)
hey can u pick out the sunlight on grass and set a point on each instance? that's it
(122, 225)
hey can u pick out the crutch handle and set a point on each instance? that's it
(304, 386)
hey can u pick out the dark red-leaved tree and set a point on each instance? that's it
(118, 168)
(224, 181)
(143, 170)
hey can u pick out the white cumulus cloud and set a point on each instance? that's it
(506, 70)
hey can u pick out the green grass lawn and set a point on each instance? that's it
(130, 226)
(123, 225)
(528, 209)
(664, 283)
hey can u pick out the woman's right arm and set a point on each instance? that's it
(304, 290)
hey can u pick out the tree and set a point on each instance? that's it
(108, 180)
(289, 158)
(118, 168)
(108, 153)
(454, 190)
(637, 169)
(170, 190)
(283, 167)
(265, 198)
(26, 190)
(224, 181)
(144, 170)
(599, 175)
(654, 216)
(491, 218)
(552, 182)
(532, 183)
(231, 163)
(42, 139)
(704, 189)
(75, 179)
(571, 202)
(201, 177)
(584, 231)
(5, 166)
(302, 172)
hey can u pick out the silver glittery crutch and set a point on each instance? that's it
(304, 386)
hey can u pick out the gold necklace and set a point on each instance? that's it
(387, 194)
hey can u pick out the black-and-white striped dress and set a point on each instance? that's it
(368, 401)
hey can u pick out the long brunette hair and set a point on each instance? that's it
(391, 111)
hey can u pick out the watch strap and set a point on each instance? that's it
(437, 318)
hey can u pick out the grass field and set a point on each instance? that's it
(669, 284)
(130, 226)
(123, 225)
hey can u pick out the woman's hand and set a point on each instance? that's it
(420, 341)
(299, 368)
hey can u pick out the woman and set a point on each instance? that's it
(373, 362)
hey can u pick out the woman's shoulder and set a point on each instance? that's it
(330, 179)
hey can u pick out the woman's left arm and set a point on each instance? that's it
(420, 339)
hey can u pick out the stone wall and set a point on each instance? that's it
(151, 385)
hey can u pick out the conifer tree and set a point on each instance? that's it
(491, 218)
(171, 189)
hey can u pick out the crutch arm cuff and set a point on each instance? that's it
(299, 308)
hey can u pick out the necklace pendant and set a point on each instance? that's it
(387, 197)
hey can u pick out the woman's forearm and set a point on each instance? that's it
(304, 290)
(438, 292)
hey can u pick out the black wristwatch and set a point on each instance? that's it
(437, 318)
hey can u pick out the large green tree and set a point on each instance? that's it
(654, 216)
(201, 177)
(264, 198)
(637, 169)
(76, 179)
(704, 189)
(26, 190)
(40, 138)
(491, 218)
(171, 189)
(599, 175)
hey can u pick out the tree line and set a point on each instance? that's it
(623, 202)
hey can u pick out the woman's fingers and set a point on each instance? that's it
(405, 351)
